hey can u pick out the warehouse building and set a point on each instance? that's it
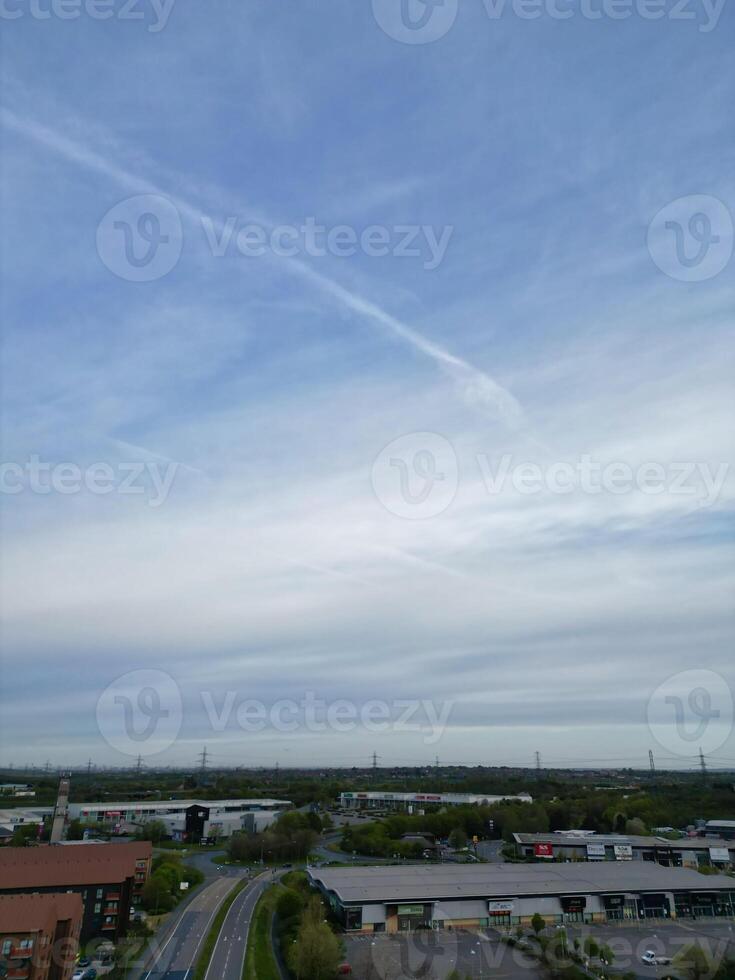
(419, 802)
(185, 820)
(686, 852)
(108, 877)
(720, 828)
(405, 898)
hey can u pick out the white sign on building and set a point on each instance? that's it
(623, 852)
(596, 852)
(719, 854)
(500, 906)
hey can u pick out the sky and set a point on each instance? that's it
(367, 382)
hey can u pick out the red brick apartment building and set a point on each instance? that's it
(107, 877)
(39, 935)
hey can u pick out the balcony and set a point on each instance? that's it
(20, 953)
(19, 972)
(113, 897)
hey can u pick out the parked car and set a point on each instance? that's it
(83, 961)
(650, 958)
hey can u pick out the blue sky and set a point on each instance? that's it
(272, 550)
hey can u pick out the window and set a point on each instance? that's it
(6, 947)
(97, 908)
(99, 893)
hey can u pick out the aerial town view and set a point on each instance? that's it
(367, 580)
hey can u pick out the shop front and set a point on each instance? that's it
(499, 914)
(413, 917)
(573, 907)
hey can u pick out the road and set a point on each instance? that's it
(228, 957)
(181, 943)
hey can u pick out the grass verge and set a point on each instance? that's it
(211, 941)
(260, 963)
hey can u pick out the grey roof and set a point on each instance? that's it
(636, 840)
(433, 882)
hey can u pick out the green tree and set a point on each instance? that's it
(537, 923)
(693, 962)
(155, 831)
(316, 953)
(458, 839)
(25, 835)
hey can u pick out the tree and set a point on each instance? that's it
(316, 953)
(289, 904)
(693, 962)
(25, 835)
(155, 831)
(606, 955)
(635, 826)
(538, 923)
(156, 895)
(458, 839)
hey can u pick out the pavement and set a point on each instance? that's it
(630, 941)
(482, 955)
(228, 958)
(432, 954)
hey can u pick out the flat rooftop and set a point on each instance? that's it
(176, 804)
(431, 882)
(636, 840)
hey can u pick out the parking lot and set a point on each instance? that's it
(433, 955)
(629, 942)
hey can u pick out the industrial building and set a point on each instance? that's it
(418, 802)
(720, 828)
(108, 877)
(39, 935)
(185, 820)
(684, 852)
(404, 898)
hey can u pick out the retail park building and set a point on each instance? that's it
(404, 898)
(416, 802)
(684, 852)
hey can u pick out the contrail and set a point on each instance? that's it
(477, 386)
